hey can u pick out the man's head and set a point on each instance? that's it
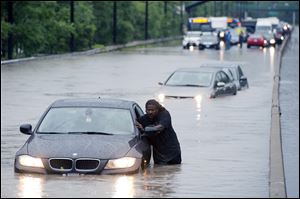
(153, 108)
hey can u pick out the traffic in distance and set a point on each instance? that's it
(213, 32)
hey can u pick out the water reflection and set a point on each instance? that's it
(30, 186)
(272, 58)
(124, 187)
(198, 107)
(221, 53)
(163, 181)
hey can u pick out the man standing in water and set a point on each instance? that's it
(157, 126)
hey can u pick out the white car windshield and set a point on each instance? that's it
(87, 120)
(190, 78)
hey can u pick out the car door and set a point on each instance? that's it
(143, 143)
(228, 84)
(218, 90)
(242, 79)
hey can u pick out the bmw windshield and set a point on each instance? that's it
(89, 120)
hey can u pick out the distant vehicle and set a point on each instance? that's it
(287, 28)
(234, 71)
(257, 40)
(191, 39)
(234, 36)
(199, 24)
(85, 136)
(196, 83)
(264, 27)
(233, 22)
(249, 24)
(209, 40)
(279, 35)
(219, 24)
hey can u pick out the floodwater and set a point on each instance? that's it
(224, 141)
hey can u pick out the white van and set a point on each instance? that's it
(264, 27)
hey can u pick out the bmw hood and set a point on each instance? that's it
(93, 146)
(183, 91)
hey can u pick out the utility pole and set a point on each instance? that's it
(72, 22)
(115, 22)
(10, 36)
(146, 20)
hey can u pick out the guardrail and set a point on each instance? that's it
(277, 186)
(94, 51)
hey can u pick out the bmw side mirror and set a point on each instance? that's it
(26, 129)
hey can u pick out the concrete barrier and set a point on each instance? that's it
(94, 51)
(277, 186)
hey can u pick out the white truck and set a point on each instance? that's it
(220, 25)
(264, 27)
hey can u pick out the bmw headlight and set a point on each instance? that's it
(265, 41)
(161, 97)
(272, 41)
(29, 161)
(120, 163)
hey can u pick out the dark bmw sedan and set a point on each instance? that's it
(87, 136)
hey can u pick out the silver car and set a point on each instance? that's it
(196, 83)
(209, 40)
(192, 38)
(233, 70)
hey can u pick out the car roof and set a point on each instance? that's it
(198, 69)
(93, 102)
(219, 65)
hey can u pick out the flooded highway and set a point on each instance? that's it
(224, 141)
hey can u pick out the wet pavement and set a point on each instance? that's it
(289, 106)
(224, 141)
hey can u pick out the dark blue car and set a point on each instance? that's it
(88, 136)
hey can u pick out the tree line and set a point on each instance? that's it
(51, 27)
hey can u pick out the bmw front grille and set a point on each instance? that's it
(86, 164)
(79, 165)
(61, 164)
